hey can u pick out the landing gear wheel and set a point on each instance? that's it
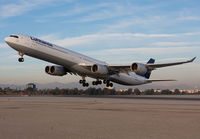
(94, 83)
(85, 84)
(99, 82)
(80, 81)
(21, 59)
(109, 85)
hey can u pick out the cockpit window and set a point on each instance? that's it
(14, 36)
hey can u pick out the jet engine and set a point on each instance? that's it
(139, 68)
(55, 70)
(100, 69)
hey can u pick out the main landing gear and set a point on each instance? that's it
(97, 82)
(83, 82)
(21, 59)
(107, 82)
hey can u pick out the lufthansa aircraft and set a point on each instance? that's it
(71, 62)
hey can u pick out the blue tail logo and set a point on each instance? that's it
(148, 74)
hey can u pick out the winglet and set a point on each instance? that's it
(192, 59)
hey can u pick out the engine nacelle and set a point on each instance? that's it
(55, 70)
(100, 69)
(139, 68)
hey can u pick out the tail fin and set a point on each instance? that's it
(148, 74)
(151, 61)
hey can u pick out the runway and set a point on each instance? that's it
(100, 118)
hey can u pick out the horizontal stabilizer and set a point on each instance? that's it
(150, 81)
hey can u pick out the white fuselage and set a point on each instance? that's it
(71, 60)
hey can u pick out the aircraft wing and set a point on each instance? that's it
(154, 66)
(126, 68)
(115, 69)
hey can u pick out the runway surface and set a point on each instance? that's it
(99, 118)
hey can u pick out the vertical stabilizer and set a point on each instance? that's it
(148, 74)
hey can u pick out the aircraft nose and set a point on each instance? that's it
(7, 39)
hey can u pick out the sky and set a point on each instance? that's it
(115, 31)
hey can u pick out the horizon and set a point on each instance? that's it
(116, 32)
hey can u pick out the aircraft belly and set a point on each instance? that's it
(127, 79)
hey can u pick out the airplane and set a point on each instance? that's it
(67, 61)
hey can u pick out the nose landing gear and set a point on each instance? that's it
(21, 59)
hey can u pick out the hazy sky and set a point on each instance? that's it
(116, 31)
